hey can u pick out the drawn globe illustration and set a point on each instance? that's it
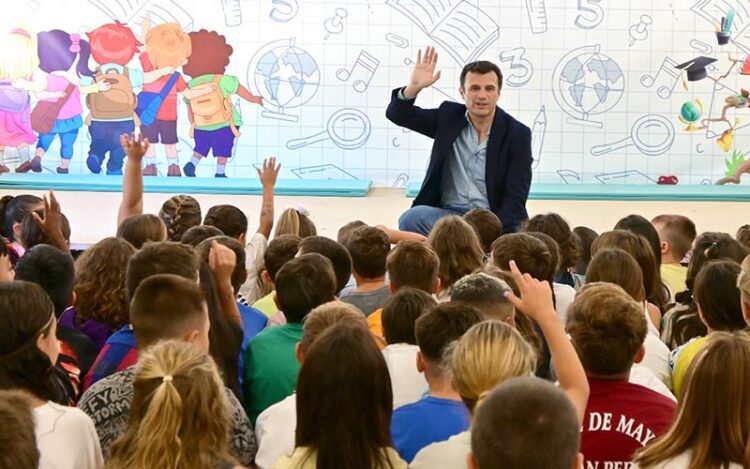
(285, 76)
(587, 83)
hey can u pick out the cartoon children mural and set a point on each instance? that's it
(166, 45)
(113, 45)
(18, 62)
(215, 122)
(64, 57)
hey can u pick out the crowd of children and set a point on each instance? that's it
(189, 341)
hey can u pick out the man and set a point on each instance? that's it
(481, 157)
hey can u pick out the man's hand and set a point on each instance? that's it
(222, 261)
(269, 173)
(134, 147)
(536, 296)
(424, 74)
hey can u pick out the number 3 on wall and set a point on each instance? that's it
(592, 14)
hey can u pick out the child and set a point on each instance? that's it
(18, 447)
(334, 252)
(705, 435)
(743, 282)
(520, 417)
(487, 226)
(28, 346)
(720, 308)
(271, 367)
(18, 62)
(607, 329)
(164, 307)
(399, 315)
(586, 237)
(441, 414)
(166, 45)
(616, 266)
(12, 211)
(113, 45)
(215, 121)
(343, 405)
(180, 213)
(280, 250)
(140, 229)
(177, 397)
(564, 294)
(295, 221)
(59, 104)
(488, 294)
(456, 244)
(676, 234)
(276, 425)
(682, 322)
(743, 235)
(7, 273)
(555, 226)
(197, 234)
(33, 234)
(491, 352)
(369, 248)
(409, 264)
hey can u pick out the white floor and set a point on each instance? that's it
(93, 214)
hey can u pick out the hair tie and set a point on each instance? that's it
(300, 210)
(167, 379)
(75, 43)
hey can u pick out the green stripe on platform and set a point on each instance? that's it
(696, 193)
(69, 182)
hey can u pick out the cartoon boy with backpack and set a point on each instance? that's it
(215, 122)
(167, 45)
(113, 112)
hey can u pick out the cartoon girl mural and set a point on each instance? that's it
(18, 62)
(64, 57)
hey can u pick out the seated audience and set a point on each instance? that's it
(29, 348)
(457, 246)
(369, 248)
(676, 234)
(141, 229)
(440, 414)
(281, 250)
(177, 396)
(487, 226)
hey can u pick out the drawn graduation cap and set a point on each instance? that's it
(696, 68)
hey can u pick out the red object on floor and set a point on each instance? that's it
(668, 180)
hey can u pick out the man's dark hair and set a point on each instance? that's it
(335, 252)
(303, 284)
(51, 269)
(482, 67)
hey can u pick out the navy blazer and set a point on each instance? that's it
(508, 170)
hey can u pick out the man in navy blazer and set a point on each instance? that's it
(481, 156)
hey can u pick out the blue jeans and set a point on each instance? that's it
(421, 218)
(105, 137)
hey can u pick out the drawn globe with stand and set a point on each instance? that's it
(285, 75)
(586, 83)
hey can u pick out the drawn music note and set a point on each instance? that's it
(668, 83)
(368, 66)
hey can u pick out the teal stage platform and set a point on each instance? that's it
(308, 187)
(655, 192)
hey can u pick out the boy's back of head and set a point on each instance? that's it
(487, 293)
(239, 275)
(166, 306)
(676, 230)
(228, 218)
(531, 254)
(335, 252)
(525, 423)
(280, 250)
(166, 257)
(327, 315)
(195, 235)
(607, 328)
(345, 232)
(369, 248)
(443, 325)
(413, 264)
(304, 283)
(585, 237)
(51, 269)
(487, 226)
(400, 313)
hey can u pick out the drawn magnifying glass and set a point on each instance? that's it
(348, 128)
(651, 134)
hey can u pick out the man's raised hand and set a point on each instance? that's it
(423, 75)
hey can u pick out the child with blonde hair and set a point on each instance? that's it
(492, 352)
(179, 417)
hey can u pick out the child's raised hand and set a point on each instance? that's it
(536, 296)
(51, 220)
(269, 173)
(135, 147)
(222, 261)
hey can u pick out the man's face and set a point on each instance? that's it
(480, 93)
